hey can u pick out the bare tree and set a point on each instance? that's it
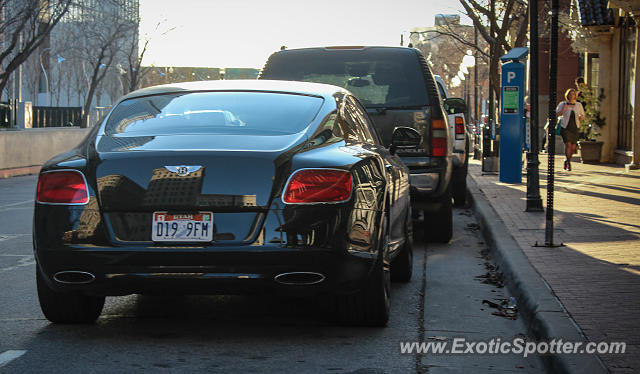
(583, 39)
(113, 85)
(99, 35)
(508, 22)
(133, 73)
(24, 26)
(445, 45)
(63, 67)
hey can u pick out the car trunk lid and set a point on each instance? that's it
(234, 177)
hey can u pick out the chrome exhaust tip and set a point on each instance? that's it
(73, 277)
(299, 278)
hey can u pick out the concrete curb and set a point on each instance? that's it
(545, 317)
(8, 173)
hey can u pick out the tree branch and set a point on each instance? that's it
(477, 23)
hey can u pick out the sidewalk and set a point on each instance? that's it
(596, 275)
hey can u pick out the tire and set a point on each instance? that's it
(59, 307)
(459, 180)
(369, 306)
(402, 265)
(459, 188)
(438, 225)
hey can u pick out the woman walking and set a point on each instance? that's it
(572, 113)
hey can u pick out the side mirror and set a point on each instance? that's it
(404, 138)
(455, 105)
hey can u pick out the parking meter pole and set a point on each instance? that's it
(512, 115)
(553, 87)
(534, 201)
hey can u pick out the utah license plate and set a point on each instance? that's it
(197, 227)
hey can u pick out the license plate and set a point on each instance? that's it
(197, 227)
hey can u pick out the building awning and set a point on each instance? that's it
(595, 13)
(629, 6)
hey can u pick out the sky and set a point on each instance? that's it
(243, 33)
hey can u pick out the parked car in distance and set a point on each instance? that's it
(226, 187)
(398, 90)
(456, 109)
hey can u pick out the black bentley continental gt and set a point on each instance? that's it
(226, 187)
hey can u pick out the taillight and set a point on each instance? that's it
(438, 138)
(318, 186)
(62, 187)
(459, 128)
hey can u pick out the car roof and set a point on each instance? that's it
(345, 48)
(395, 50)
(294, 87)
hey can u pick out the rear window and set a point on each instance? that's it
(233, 113)
(378, 77)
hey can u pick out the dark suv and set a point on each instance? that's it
(398, 89)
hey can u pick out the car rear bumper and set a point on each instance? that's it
(429, 178)
(208, 270)
(424, 183)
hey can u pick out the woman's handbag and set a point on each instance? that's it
(559, 126)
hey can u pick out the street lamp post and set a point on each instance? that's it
(46, 78)
(475, 76)
(468, 61)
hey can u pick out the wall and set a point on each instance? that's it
(32, 147)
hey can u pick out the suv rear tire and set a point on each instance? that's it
(459, 187)
(438, 225)
(459, 181)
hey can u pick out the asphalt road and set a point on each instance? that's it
(224, 334)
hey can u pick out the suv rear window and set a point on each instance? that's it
(243, 113)
(378, 77)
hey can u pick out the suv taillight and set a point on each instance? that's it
(62, 187)
(318, 186)
(459, 128)
(438, 138)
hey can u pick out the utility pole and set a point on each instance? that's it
(534, 201)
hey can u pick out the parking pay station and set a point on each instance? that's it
(512, 115)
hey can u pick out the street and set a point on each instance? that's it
(225, 334)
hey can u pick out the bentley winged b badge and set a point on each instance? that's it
(183, 170)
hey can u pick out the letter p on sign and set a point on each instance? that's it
(510, 75)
